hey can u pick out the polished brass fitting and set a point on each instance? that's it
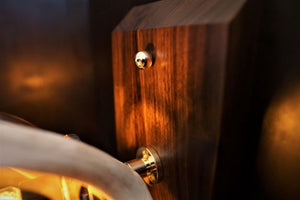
(148, 165)
(143, 59)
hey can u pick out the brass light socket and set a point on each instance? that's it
(148, 165)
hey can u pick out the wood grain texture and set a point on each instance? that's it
(180, 105)
(180, 13)
(169, 106)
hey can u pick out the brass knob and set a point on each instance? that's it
(143, 59)
(148, 165)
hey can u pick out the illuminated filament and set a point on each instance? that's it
(10, 193)
(64, 188)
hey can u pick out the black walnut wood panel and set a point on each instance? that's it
(178, 105)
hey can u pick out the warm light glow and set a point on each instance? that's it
(64, 189)
(91, 193)
(36, 80)
(26, 174)
(33, 82)
(279, 160)
(10, 193)
(51, 186)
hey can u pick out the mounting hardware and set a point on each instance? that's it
(143, 59)
(148, 165)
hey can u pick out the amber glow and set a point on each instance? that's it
(91, 192)
(279, 161)
(33, 82)
(36, 80)
(64, 189)
(24, 173)
(10, 193)
(49, 185)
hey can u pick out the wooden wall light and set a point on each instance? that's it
(178, 66)
(182, 74)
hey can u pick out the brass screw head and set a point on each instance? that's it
(152, 164)
(143, 59)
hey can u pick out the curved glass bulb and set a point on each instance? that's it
(53, 159)
(20, 184)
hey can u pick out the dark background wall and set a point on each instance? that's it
(55, 65)
(274, 147)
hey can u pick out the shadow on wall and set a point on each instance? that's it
(55, 66)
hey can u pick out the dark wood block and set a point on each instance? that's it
(179, 104)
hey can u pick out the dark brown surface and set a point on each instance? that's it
(46, 67)
(167, 106)
(238, 123)
(104, 15)
(55, 65)
(182, 105)
(178, 13)
(277, 102)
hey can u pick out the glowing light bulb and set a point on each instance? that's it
(10, 193)
(65, 190)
